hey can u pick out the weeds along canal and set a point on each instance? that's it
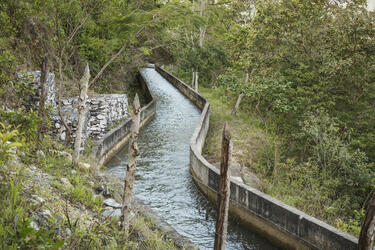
(163, 181)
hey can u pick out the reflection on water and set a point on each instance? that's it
(163, 180)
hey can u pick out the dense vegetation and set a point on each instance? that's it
(306, 70)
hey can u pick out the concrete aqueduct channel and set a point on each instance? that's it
(175, 180)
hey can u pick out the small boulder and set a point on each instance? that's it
(84, 166)
(116, 213)
(34, 225)
(112, 203)
(40, 154)
(66, 182)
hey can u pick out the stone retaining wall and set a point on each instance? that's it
(103, 111)
(115, 139)
(32, 80)
(271, 218)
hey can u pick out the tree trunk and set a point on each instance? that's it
(81, 113)
(132, 162)
(224, 190)
(42, 100)
(68, 132)
(234, 111)
(62, 48)
(367, 235)
(196, 81)
(192, 78)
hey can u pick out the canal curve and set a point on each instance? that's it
(163, 181)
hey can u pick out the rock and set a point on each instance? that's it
(40, 154)
(235, 169)
(66, 182)
(116, 213)
(38, 199)
(84, 166)
(34, 225)
(46, 213)
(112, 203)
(251, 180)
(106, 192)
(57, 125)
(63, 136)
(99, 189)
(67, 155)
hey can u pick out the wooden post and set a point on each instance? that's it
(224, 190)
(192, 78)
(196, 81)
(81, 113)
(234, 111)
(42, 100)
(367, 235)
(132, 162)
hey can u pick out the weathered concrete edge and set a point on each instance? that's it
(289, 226)
(116, 138)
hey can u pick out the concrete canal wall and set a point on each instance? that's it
(116, 138)
(283, 224)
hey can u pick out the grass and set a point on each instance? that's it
(35, 185)
(251, 150)
(247, 136)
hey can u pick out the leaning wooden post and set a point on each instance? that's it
(81, 113)
(367, 235)
(42, 100)
(224, 190)
(132, 162)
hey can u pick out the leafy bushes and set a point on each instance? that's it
(330, 179)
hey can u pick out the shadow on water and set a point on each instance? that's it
(163, 180)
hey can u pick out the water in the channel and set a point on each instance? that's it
(163, 181)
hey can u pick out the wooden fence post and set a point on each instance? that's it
(367, 235)
(132, 162)
(42, 100)
(81, 113)
(224, 190)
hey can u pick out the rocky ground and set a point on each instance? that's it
(49, 203)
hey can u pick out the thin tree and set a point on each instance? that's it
(84, 83)
(42, 100)
(234, 111)
(367, 235)
(113, 58)
(224, 190)
(132, 162)
(62, 48)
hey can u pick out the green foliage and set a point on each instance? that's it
(26, 122)
(16, 231)
(333, 178)
(306, 69)
(82, 193)
(8, 144)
